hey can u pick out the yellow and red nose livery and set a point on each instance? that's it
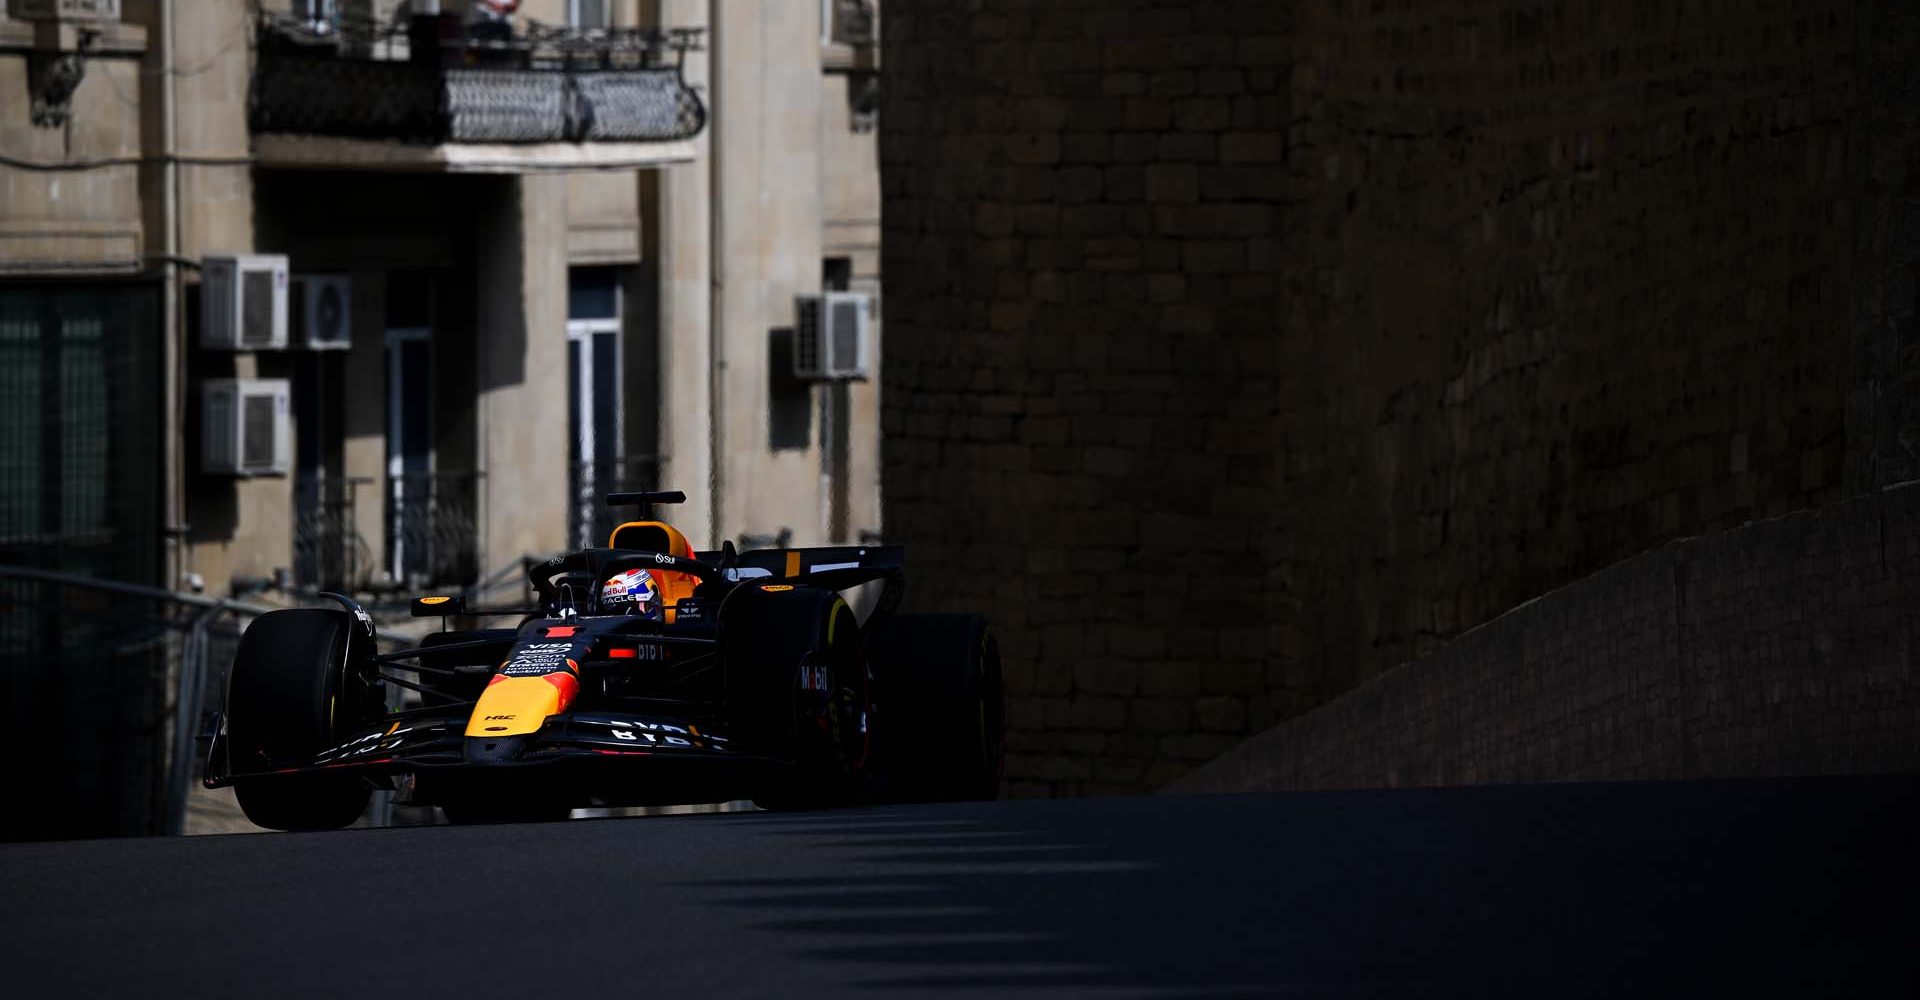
(540, 679)
(515, 706)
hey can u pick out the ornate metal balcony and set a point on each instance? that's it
(329, 553)
(432, 81)
(433, 529)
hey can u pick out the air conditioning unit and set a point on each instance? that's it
(247, 427)
(830, 335)
(323, 311)
(63, 10)
(243, 302)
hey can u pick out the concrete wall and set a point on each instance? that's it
(603, 218)
(1782, 647)
(681, 249)
(766, 135)
(524, 446)
(74, 219)
(238, 527)
(1270, 346)
(850, 219)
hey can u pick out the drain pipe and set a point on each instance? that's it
(717, 280)
(172, 360)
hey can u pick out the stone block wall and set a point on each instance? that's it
(1240, 351)
(1783, 647)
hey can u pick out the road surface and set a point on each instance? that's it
(1800, 887)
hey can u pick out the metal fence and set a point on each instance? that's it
(433, 529)
(545, 84)
(106, 684)
(109, 687)
(329, 553)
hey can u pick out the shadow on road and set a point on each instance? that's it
(1803, 885)
(1767, 887)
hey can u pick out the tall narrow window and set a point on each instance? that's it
(410, 480)
(410, 467)
(593, 402)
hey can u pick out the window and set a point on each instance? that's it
(594, 412)
(589, 13)
(836, 274)
(80, 425)
(316, 11)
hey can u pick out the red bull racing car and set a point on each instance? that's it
(644, 674)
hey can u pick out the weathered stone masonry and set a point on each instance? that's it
(1782, 647)
(1239, 351)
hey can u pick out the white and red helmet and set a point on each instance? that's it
(631, 592)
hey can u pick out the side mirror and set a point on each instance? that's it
(435, 607)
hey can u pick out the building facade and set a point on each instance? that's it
(521, 263)
(549, 291)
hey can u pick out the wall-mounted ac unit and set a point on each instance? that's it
(243, 302)
(323, 311)
(247, 428)
(63, 10)
(830, 335)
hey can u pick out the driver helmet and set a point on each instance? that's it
(631, 592)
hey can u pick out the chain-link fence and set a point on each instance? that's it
(106, 685)
(110, 688)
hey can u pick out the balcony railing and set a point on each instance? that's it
(433, 529)
(452, 85)
(329, 553)
(589, 521)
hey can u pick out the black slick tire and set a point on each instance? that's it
(288, 698)
(942, 708)
(797, 690)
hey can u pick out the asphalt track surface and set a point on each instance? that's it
(1799, 887)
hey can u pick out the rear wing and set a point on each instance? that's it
(756, 563)
(870, 578)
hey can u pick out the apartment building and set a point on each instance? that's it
(365, 293)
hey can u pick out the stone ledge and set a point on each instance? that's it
(40, 247)
(273, 150)
(110, 38)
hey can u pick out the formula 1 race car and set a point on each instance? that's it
(647, 674)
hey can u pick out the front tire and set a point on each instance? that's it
(288, 698)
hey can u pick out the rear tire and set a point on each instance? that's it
(943, 707)
(288, 698)
(797, 689)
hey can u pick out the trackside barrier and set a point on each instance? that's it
(107, 685)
